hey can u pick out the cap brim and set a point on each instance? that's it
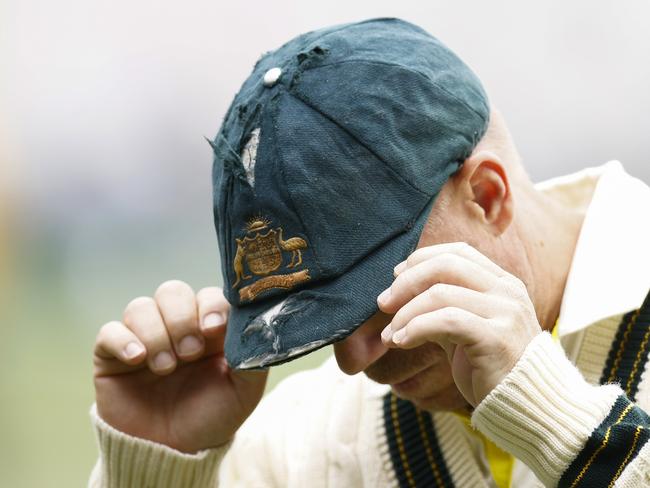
(274, 331)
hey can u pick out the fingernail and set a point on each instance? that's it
(383, 296)
(387, 333)
(163, 360)
(399, 268)
(189, 345)
(213, 319)
(132, 350)
(399, 335)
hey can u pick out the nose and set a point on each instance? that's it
(363, 347)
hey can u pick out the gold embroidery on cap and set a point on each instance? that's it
(276, 281)
(261, 251)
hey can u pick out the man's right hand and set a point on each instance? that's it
(161, 374)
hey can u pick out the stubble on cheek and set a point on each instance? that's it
(427, 372)
(444, 396)
(398, 364)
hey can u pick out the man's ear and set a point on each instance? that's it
(488, 191)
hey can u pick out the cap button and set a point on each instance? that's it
(272, 76)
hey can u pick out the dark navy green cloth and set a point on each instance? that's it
(611, 447)
(415, 452)
(326, 166)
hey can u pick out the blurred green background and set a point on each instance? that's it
(105, 185)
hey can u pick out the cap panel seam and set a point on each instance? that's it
(402, 68)
(308, 103)
(280, 168)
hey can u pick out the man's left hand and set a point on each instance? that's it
(453, 295)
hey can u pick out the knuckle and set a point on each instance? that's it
(173, 287)
(506, 282)
(501, 347)
(447, 262)
(399, 282)
(138, 303)
(416, 256)
(439, 290)
(461, 246)
(408, 281)
(514, 287)
(417, 323)
(104, 332)
(499, 327)
(523, 290)
(210, 291)
(401, 317)
(516, 282)
(452, 315)
(212, 296)
(109, 337)
(469, 249)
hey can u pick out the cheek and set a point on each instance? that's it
(433, 388)
(436, 378)
(435, 391)
(447, 400)
(439, 377)
(447, 232)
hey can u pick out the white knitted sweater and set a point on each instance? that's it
(321, 428)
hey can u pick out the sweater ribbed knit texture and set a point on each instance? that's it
(130, 461)
(544, 411)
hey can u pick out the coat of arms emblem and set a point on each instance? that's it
(260, 252)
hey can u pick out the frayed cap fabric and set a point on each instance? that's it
(323, 180)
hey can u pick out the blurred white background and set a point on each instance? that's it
(105, 175)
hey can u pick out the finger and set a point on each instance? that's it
(143, 318)
(177, 305)
(443, 295)
(213, 310)
(442, 268)
(449, 325)
(460, 248)
(116, 341)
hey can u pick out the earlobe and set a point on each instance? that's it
(490, 191)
